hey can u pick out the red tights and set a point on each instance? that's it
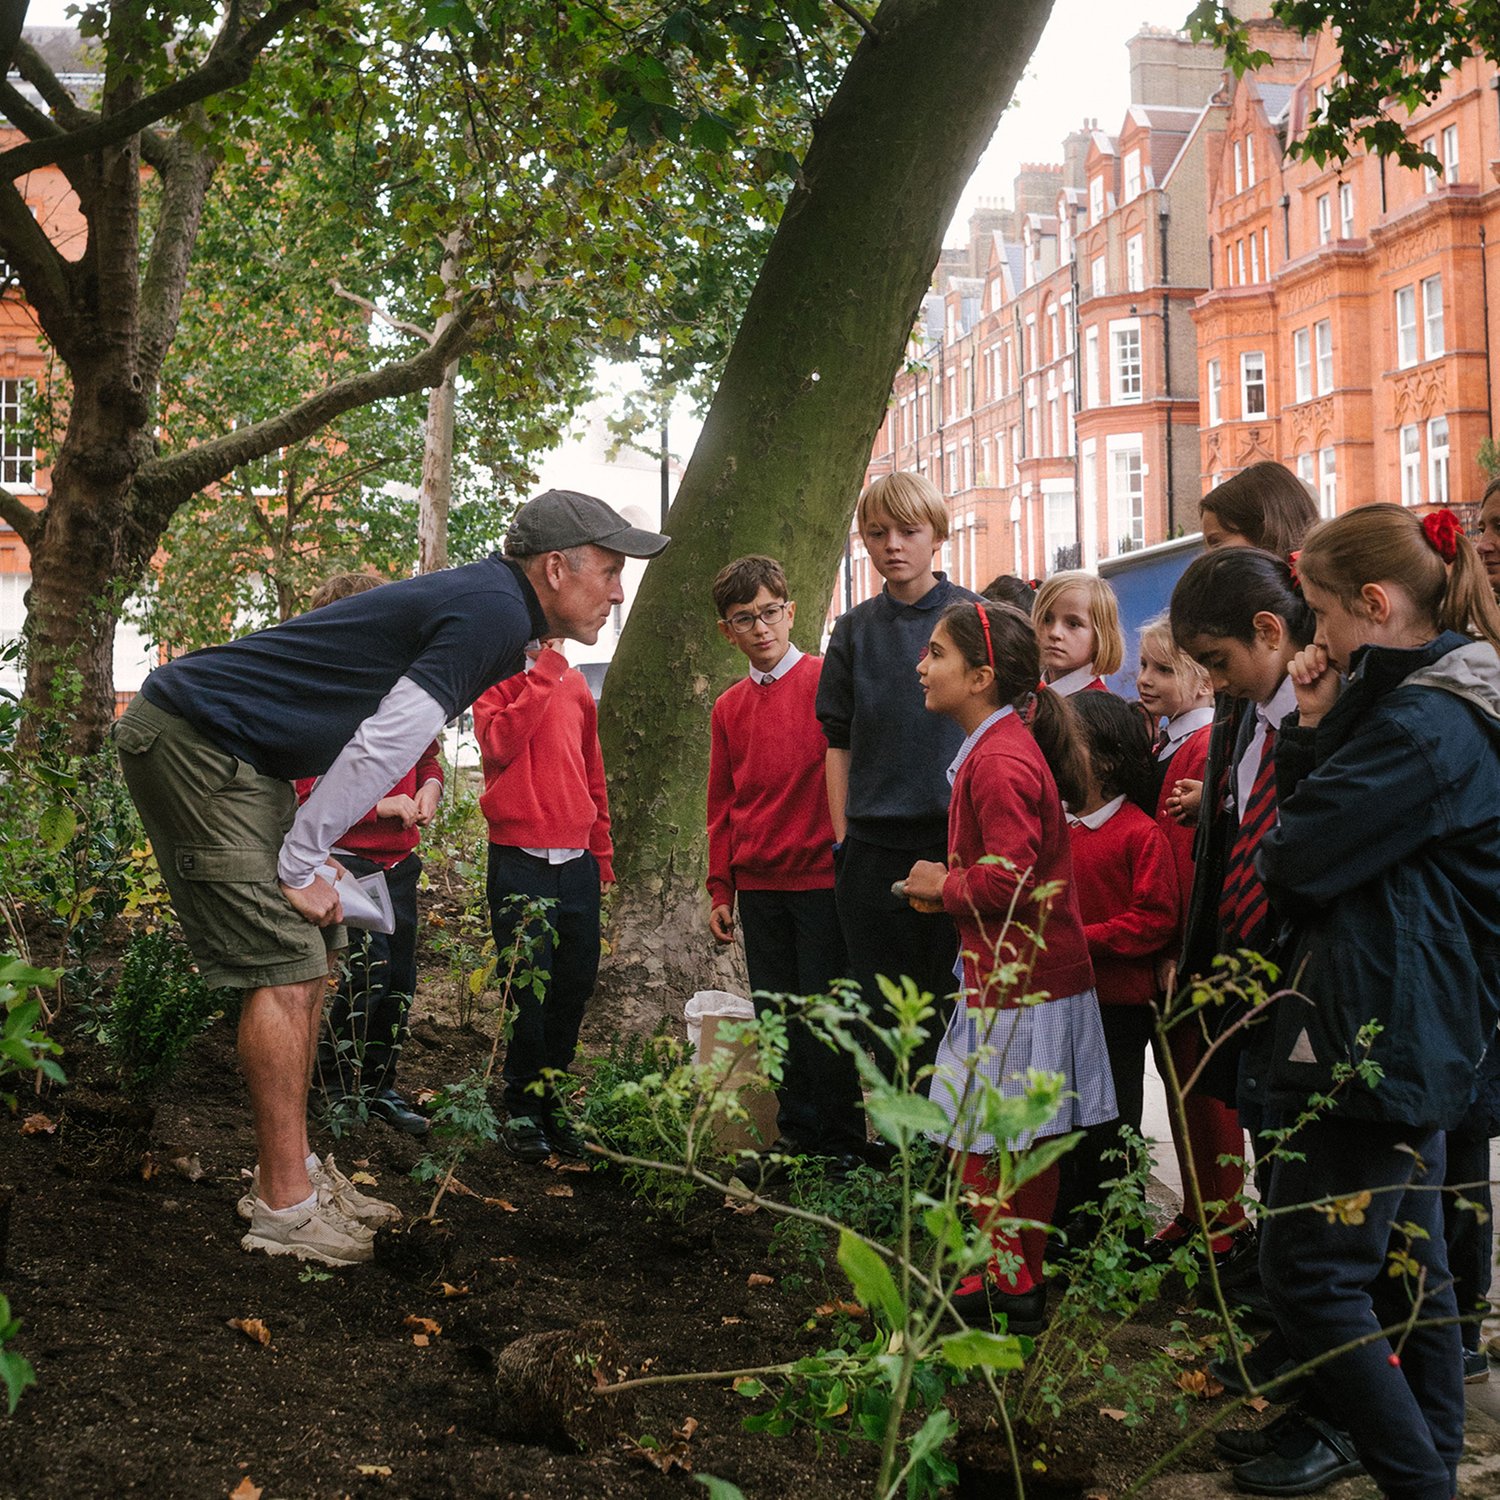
(1035, 1199)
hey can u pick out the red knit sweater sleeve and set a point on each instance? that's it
(720, 808)
(506, 715)
(430, 767)
(601, 845)
(1001, 794)
(1147, 922)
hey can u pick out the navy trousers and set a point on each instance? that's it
(883, 935)
(365, 1024)
(1327, 1276)
(793, 946)
(545, 1033)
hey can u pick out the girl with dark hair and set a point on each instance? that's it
(1383, 862)
(1264, 506)
(1009, 886)
(1126, 885)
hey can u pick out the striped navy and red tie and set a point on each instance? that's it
(1243, 906)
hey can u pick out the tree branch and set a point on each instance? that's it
(161, 485)
(25, 115)
(24, 521)
(40, 269)
(229, 63)
(67, 112)
(864, 25)
(379, 313)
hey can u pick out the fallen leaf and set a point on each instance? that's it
(362, 1162)
(557, 1164)
(252, 1328)
(729, 1322)
(420, 1340)
(148, 1167)
(1112, 1412)
(561, 1190)
(1199, 1383)
(663, 1456)
(839, 1306)
(1258, 1404)
(426, 1096)
(37, 1125)
(734, 1205)
(759, 1278)
(188, 1166)
(449, 1290)
(245, 1490)
(373, 1469)
(688, 1428)
(423, 1325)
(364, 1179)
(504, 1205)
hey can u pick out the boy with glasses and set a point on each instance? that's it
(770, 847)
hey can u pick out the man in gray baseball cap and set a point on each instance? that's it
(350, 694)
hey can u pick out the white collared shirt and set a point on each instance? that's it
(974, 739)
(1188, 722)
(785, 665)
(1100, 815)
(1072, 682)
(1267, 715)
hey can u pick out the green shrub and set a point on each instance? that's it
(160, 1005)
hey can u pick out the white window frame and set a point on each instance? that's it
(1091, 367)
(1307, 470)
(1346, 210)
(1325, 218)
(1096, 198)
(1126, 376)
(1302, 365)
(1407, 351)
(1411, 464)
(1135, 263)
(1323, 354)
(1239, 166)
(1430, 179)
(1328, 483)
(1133, 178)
(1098, 276)
(1125, 476)
(1214, 383)
(17, 436)
(1450, 153)
(1438, 451)
(1433, 342)
(1248, 362)
(1249, 161)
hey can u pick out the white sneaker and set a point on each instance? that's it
(371, 1212)
(316, 1234)
(333, 1189)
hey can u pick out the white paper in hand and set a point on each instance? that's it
(366, 899)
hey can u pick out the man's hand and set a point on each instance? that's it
(925, 884)
(429, 794)
(317, 903)
(405, 808)
(721, 923)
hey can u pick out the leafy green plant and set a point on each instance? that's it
(160, 1004)
(15, 1368)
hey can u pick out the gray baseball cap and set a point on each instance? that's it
(558, 519)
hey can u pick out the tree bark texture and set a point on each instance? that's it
(437, 474)
(778, 466)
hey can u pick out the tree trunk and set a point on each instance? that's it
(437, 445)
(777, 468)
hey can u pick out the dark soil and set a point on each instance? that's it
(126, 1274)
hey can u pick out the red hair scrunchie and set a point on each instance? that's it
(1442, 530)
(1291, 563)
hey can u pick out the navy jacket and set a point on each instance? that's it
(1387, 862)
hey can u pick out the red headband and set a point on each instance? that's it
(989, 644)
(1442, 531)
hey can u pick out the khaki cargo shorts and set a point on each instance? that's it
(216, 826)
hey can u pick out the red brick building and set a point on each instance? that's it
(1350, 330)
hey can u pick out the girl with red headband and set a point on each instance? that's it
(1385, 867)
(1028, 983)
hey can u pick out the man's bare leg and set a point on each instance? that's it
(277, 1039)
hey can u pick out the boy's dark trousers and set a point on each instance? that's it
(1467, 1230)
(545, 1034)
(1329, 1285)
(365, 1025)
(793, 946)
(884, 935)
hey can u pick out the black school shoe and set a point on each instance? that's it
(1267, 1365)
(523, 1139)
(1307, 1455)
(564, 1139)
(389, 1106)
(1024, 1312)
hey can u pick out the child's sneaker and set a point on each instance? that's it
(318, 1232)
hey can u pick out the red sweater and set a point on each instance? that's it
(1005, 803)
(544, 786)
(1127, 896)
(768, 822)
(1186, 764)
(384, 841)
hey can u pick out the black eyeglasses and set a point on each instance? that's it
(744, 622)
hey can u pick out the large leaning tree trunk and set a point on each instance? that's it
(778, 466)
(111, 316)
